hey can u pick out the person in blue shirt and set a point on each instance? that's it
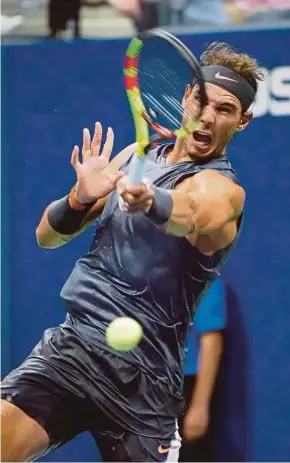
(204, 349)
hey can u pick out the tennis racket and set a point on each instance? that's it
(157, 69)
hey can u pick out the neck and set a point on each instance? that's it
(178, 153)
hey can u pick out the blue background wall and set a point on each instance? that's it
(50, 92)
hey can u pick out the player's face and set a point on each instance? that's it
(218, 123)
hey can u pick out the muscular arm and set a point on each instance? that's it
(47, 237)
(205, 204)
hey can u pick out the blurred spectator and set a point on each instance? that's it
(150, 13)
(144, 13)
(205, 345)
(173, 11)
(209, 12)
(9, 23)
(259, 10)
(257, 6)
(61, 13)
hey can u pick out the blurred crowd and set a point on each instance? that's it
(146, 14)
(151, 13)
(202, 12)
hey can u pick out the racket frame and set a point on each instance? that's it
(141, 118)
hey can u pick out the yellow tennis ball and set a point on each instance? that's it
(124, 333)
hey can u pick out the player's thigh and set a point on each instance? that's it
(128, 446)
(46, 389)
(22, 438)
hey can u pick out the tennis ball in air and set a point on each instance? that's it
(124, 333)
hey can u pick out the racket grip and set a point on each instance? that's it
(137, 169)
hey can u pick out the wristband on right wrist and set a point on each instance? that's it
(161, 209)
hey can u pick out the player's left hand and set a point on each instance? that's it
(196, 422)
(135, 198)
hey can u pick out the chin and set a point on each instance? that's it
(195, 152)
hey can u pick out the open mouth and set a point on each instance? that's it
(202, 137)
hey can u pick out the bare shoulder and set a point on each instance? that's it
(211, 176)
(216, 177)
(211, 183)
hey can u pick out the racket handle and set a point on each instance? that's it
(137, 169)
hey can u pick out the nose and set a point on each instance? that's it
(207, 117)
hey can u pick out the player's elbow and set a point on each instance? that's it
(39, 238)
(45, 241)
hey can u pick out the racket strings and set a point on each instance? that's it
(163, 85)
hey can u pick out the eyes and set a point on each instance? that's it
(197, 97)
(223, 108)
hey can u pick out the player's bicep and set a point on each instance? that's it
(218, 201)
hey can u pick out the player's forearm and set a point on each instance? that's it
(181, 213)
(61, 223)
(182, 220)
(47, 237)
(211, 347)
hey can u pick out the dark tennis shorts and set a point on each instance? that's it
(69, 386)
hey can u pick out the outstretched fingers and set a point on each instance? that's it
(109, 143)
(92, 147)
(97, 139)
(86, 150)
(75, 162)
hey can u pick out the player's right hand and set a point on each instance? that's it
(94, 176)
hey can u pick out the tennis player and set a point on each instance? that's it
(152, 261)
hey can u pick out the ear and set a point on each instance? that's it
(187, 94)
(245, 121)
